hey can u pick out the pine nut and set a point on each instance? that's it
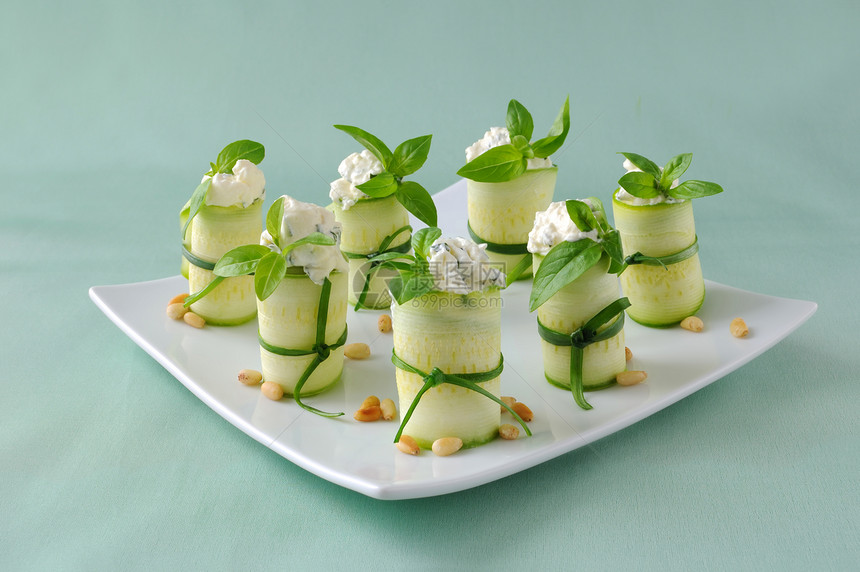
(693, 323)
(447, 446)
(370, 413)
(631, 377)
(628, 355)
(509, 401)
(508, 431)
(408, 445)
(389, 411)
(384, 323)
(176, 311)
(739, 328)
(178, 299)
(272, 390)
(523, 411)
(369, 401)
(250, 377)
(356, 351)
(194, 320)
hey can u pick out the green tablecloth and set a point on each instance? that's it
(110, 114)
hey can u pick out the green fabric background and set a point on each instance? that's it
(110, 113)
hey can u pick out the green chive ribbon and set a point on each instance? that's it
(437, 377)
(579, 339)
(499, 248)
(664, 261)
(384, 247)
(320, 348)
(198, 262)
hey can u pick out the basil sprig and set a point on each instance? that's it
(507, 162)
(413, 276)
(224, 163)
(567, 261)
(652, 182)
(267, 266)
(406, 159)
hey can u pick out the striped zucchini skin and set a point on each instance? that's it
(569, 309)
(505, 212)
(660, 297)
(365, 225)
(288, 319)
(214, 231)
(458, 334)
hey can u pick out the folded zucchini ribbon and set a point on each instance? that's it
(437, 377)
(664, 261)
(384, 247)
(584, 336)
(500, 248)
(320, 348)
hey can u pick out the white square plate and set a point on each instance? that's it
(361, 456)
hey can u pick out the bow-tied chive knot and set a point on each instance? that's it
(436, 377)
(323, 350)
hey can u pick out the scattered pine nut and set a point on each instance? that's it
(508, 431)
(193, 320)
(272, 390)
(176, 311)
(384, 323)
(250, 377)
(523, 411)
(369, 401)
(693, 323)
(631, 377)
(628, 355)
(389, 411)
(408, 445)
(370, 413)
(739, 328)
(178, 299)
(509, 401)
(447, 446)
(356, 351)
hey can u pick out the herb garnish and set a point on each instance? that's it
(413, 277)
(652, 182)
(507, 162)
(567, 261)
(224, 163)
(407, 158)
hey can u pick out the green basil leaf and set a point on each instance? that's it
(599, 212)
(417, 284)
(410, 156)
(395, 286)
(557, 133)
(240, 261)
(646, 165)
(521, 144)
(418, 201)
(244, 149)
(274, 219)
(379, 186)
(271, 269)
(519, 120)
(581, 215)
(612, 246)
(369, 142)
(694, 190)
(313, 238)
(641, 185)
(502, 163)
(563, 264)
(386, 256)
(198, 198)
(676, 167)
(422, 239)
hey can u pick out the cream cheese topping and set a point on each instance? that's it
(246, 185)
(460, 266)
(299, 220)
(356, 169)
(496, 137)
(554, 226)
(629, 199)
